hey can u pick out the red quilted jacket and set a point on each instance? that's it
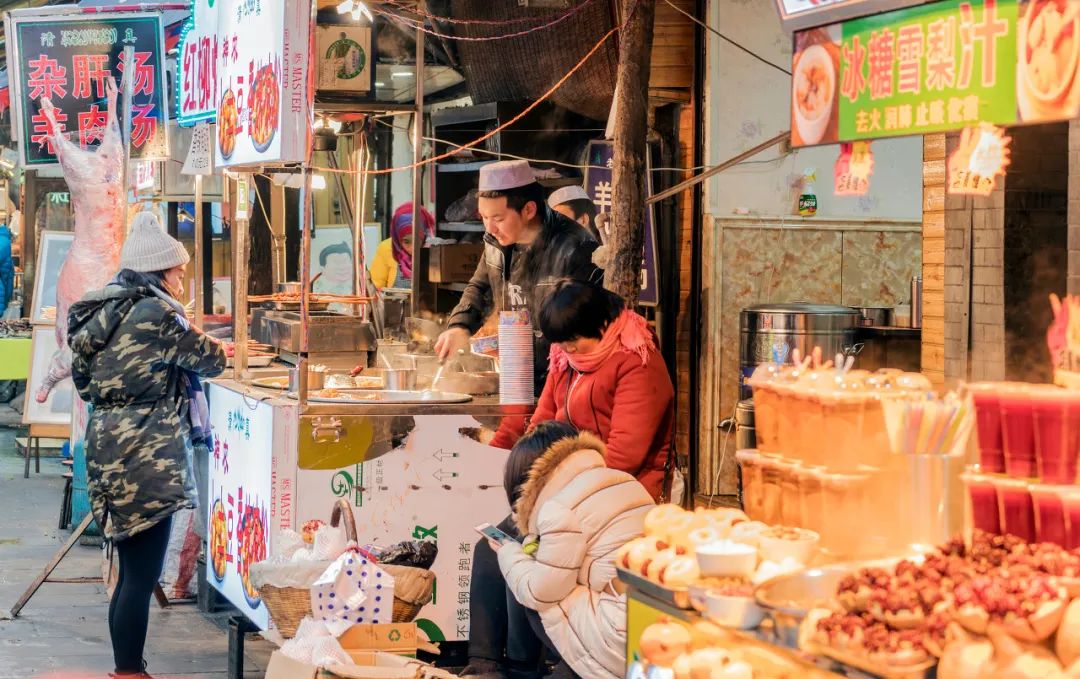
(628, 405)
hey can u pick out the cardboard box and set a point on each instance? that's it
(345, 61)
(396, 638)
(368, 665)
(455, 263)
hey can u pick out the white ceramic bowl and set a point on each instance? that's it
(801, 550)
(812, 127)
(726, 559)
(739, 612)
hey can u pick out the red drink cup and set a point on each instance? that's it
(1018, 431)
(986, 396)
(1016, 509)
(1056, 414)
(1070, 502)
(984, 503)
(1049, 514)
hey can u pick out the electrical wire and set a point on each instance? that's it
(479, 140)
(462, 22)
(419, 25)
(723, 37)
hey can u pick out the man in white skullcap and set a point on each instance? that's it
(527, 247)
(574, 203)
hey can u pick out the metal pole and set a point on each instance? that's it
(306, 218)
(734, 160)
(418, 175)
(129, 76)
(240, 245)
(197, 284)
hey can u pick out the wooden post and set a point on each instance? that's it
(631, 128)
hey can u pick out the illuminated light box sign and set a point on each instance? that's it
(197, 65)
(936, 68)
(68, 58)
(796, 14)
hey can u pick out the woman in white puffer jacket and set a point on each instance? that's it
(580, 512)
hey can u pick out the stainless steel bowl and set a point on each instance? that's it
(788, 598)
(403, 379)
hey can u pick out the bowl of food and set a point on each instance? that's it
(265, 108)
(733, 607)
(813, 86)
(1050, 49)
(725, 558)
(698, 590)
(227, 124)
(780, 543)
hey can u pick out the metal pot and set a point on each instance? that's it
(773, 331)
(875, 316)
(290, 288)
(472, 383)
(316, 379)
(399, 379)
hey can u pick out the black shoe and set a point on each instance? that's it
(481, 668)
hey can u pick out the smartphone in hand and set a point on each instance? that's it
(493, 533)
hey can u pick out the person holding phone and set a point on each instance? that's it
(576, 512)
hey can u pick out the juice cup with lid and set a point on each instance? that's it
(787, 419)
(1056, 416)
(844, 523)
(1018, 430)
(1070, 504)
(770, 489)
(983, 502)
(808, 405)
(750, 462)
(1015, 508)
(790, 507)
(987, 399)
(766, 404)
(844, 412)
(1049, 514)
(812, 497)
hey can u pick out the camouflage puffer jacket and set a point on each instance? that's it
(129, 352)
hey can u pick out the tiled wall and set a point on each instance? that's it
(828, 261)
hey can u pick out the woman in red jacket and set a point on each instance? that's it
(606, 376)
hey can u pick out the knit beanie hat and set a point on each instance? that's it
(148, 248)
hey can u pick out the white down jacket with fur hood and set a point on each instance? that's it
(582, 512)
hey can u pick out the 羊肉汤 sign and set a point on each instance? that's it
(937, 67)
(69, 58)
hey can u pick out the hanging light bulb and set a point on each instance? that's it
(356, 8)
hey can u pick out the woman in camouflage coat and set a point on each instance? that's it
(137, 361)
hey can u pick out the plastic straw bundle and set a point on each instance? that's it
(931, 425)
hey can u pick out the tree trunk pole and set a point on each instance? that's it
(631, 129)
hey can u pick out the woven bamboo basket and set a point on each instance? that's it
(413, 587)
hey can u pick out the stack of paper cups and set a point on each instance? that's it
(515, 358)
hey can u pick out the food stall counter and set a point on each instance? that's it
(410, 471)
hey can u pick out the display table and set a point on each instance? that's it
(14, 358)
(411, 472)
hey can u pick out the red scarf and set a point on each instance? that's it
(629, 332)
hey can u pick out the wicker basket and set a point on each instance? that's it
(413, 587)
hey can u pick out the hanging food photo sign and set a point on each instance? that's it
(197, 65)
(982, 155)
(263, 108)
(851, 176)
(68, 58)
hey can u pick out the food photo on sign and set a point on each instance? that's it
(68, 61)
(1048, 54)
(815, 87)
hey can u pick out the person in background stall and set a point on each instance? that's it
(392, 266)
(606, 377)
(7, 269)
(576, 513)
(527, 247)
(138, 362)
(574, 203)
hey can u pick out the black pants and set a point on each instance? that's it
(498, 625)
(141, 559)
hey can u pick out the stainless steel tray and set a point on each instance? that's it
(925, 670)
(679, 598)
(376, 396)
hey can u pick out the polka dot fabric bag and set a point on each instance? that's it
(353, 590)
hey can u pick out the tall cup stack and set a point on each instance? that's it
(515, 358)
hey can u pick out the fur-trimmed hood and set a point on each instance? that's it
(543, 473)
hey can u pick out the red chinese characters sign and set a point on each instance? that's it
(69, 59)
(937, 67)
(201, 50)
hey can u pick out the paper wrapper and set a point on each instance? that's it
(352, 591)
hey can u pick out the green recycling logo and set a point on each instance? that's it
(395, 635)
